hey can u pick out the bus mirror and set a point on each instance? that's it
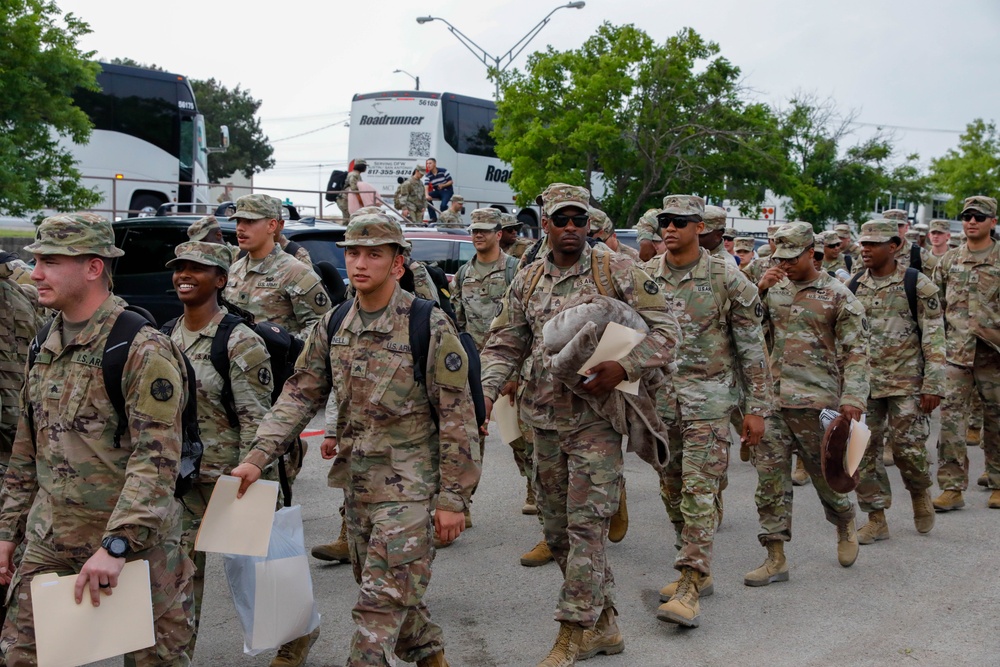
(224, 136)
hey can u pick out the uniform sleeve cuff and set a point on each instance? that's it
(258, 458)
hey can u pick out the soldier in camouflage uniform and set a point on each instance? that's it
(350, 189)
(755, 270)
(907, 380)
(392, 458)
(451, 217)
(200, 271)
(832, 259)
(847, 244)
(577, 454)
(82, 503)
(647, 233)
(711, 236)
(743, 247)
(939, 233)
(411, 197)
(722, 349)
(603, 229)
(905, 252)
(207, 229)
(819, 360)
(510, 242)
(969, 280)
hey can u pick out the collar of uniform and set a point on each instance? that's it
(268, 262)
(581, 267)
(54, 342)
(823, 280)
(699, 270)
(499, 264)
(895, 277)
(965, 255)
(212, 326)
(382, 324)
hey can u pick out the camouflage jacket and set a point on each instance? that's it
(301, 254)
(280, 289)
(970, 290)
(250, 378)
(628, 251)
(516, 332)
(387, 440)
(520, 245)
(905, 357)
(645, 231)
(69, 481)
(450, 219)
(478, 288)
(412, 195)
(819, 334)
(756, 269)
(927, 259)
(723, 254)
(838, 263)
(350, 184)
(19, 320)
(722, 350)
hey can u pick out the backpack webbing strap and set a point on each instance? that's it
(420, 342)
(916, 261)
(116, 349)
(220, 362)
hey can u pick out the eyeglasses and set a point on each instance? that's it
(792, 260)
(483, 232)
(579, 221)
(967, 217)
(678, 223)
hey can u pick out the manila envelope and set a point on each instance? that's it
(68, 634)
(239, 527)
(857, 444)
(615, 344)
(505, 415)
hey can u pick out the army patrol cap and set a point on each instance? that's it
(420, 168)
(257, 207)
(685, 205)
(830, 238)
(921, 228)
(360, 162)
(372, 229)
(459, 198)
(912, 236)
(601, 226)
(75, 234)
(878, 231)
(897, 214)
(200, 252)
(940, 226)
(818, 246)
(765, 251)
(772, 229)
(508, 220)
(714, 218)
(792, 240)
(485, 219)
(562, 195)
(743, 243)
(980, 204)
(843, 230)
(199, 230)
(956, 240)
(730, 233)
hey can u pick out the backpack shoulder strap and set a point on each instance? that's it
(910, 287)
(116, 349)
(916, 261)
(460, 276)
(849, 261)
(219, 357)
(420, 341)
(333, 325)
(533, 282)
(853, 283)
(600, 268)
(292, 248)
(510, 269)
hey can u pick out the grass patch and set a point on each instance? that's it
(17, 233)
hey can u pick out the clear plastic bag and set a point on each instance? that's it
(273, 595)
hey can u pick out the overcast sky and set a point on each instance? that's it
(921, 64)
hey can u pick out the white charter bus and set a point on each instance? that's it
(394, 130)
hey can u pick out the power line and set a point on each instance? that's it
(302, 134)
(306, 116)
(906, 128)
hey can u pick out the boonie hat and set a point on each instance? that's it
(75, 234)
(562, 195)
(981, 204)
(714, 218)
(792, 240)
(684, 205)
(200, 252)
(485, 219)
(372, 229)
(199, 230)
(878, 231)
(258, 207)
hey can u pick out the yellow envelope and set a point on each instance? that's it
(857, 444)
(615, 344)
(240, 527)
(68, 634)
(505, 415)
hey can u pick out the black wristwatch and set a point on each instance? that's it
(116, 546)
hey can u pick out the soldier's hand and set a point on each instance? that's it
(509, 390)
(929, 402)
(607, 376)
(753, 430)
(852, 413)
(771, 277)
(329, 448)
(7, 562)
(248, 474)
(100, 575)
(448, 525)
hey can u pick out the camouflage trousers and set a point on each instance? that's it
(391, 552)
(976, 412)
(578, 482)
(790, 431)
(689, 485)
(899, 420)
(170, 573)
(961, 384)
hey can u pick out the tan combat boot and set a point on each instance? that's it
(567, 647)
(604, 637)
(540, 554)
(847, 543)
(973, 437)
(994, 501)
(295, 652)
(436, 660)
(876, 530)
(335, 551)
(984, 481)
(706, 588)
(619, 522)
(683, 608)
(775, 567)
(923, 510)
(949, 500)
(887, 459)
(799, 476)
(530, 504)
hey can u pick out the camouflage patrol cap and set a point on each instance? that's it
(420, 168)
(372, 229)
(771, 230)
(730, 233)
(75, 234)
(458, 198)
(485, 219)
(714, 218)
(367, 210)
(878, 231)
(684, 205)
(199, 230)
(765, 251)
(743, 243)
(562, 195)
(508, 220)
(938, 225)
(921, 228)
(830, 238)
(818, 246)
(792, 240)
(956, 240)
(843, 230)
(360, 162)
(200, 252)
(601, 226)
(897, 214)
(258, 207)
(912, 235)
(981, 204)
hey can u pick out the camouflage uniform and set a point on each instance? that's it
(350, 185)
(577, 454)
(819, 360)
(519, 247)
(715, 219)
(647, 229)
(68, 486)
(928, 260)
(970, 290)
(480, 287)
(301, 254)
(392, 459)
(19, 320)
(906, 360)
(602, 228)
(412, 196)
(722, 350)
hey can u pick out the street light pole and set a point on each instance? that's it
(500, 63)
(416, 79)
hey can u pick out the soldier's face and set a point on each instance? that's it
(507, 237)
(569, 238)
(745, 256)
(677, 239)
(939, 239)
(485, 241)
(728, 242)
(368, 268)
(831, 251)
(877, 255)
(62, 280)
(978, 231)
(255, 235)
(215, 236)
(197, 283)
(800, 267)
(845, 243)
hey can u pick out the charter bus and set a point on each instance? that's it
(394, 130)
(148, 139)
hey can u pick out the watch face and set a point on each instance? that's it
(117, 546)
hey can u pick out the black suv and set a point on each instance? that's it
(142, 278)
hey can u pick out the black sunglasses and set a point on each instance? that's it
(678, 223)
(967, 217)
(579, 221)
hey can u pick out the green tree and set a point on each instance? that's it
(653, 118)
(40, 67)
(249, 150)
(973, 168)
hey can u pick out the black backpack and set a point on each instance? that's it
(849, 261)
(116, 349)
(441, 285)
(916, 261)
(420, 340)
(909, 286)
(338, 178)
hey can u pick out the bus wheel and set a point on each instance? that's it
(140, 202)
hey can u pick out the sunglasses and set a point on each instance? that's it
(678, 223)
(729, 238)
(967, 217)
(579, 221)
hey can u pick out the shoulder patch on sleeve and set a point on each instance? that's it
(451, 364)
(646, 291)
(160, 388)
(248, 351)
(502, 317)
(926, 287)
(742, 290)
(854, 306)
